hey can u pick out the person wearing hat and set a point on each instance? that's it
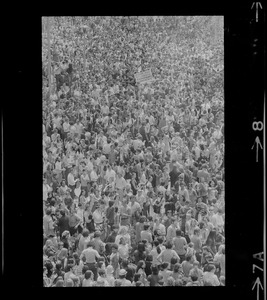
(122, 278)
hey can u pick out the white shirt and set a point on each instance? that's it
(77, 191)
(93, 175)
(71, 180)
(97, 216)
(66, 127)
(46, 190)
(80, 213)
(109, 174)
(212, 278)
(120, 183)
(134, 207)
(160, 227)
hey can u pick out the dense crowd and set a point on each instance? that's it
(133, 174)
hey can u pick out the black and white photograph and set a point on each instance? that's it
(133, 151)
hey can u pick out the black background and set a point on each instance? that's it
(22, 131)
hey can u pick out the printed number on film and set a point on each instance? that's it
(257, 126)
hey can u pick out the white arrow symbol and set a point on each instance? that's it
(257, 5)
(258, 143)
(258, 282)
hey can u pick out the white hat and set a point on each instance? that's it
(122, 272)
(110, 269)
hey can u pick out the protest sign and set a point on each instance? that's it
(145, 76)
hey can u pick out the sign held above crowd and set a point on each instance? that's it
(143, 77)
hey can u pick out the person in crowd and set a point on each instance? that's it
(167, 254)
(209, 276)
(91, 256)
(180, 244)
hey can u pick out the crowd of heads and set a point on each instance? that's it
(132, 173)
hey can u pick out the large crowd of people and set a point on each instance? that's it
(133, 174)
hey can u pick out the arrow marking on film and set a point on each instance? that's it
(258, 143)
(258, 283)
(258, 4)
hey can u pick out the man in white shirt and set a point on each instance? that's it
(120, 182)
(66, 127)
(46, 189)
(138, 143)
(106, 148)
(93, 175)
(218, 220)
(110, 173)
(71, 181)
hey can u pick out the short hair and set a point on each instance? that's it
(154, 270)
(84, 269)
(149, 257)
(146, 226)
(142, 219)
(88, 274)
(211, 267)
(156, 243)
(188, 257)
(48, 211)
(174, 260)
(160, 239)
(164, 265)
(85, 233)
(58, 265)
(178, 232)
(194, 277)
(90, 244)
(101, 272)
(176, 267)
(124, 262)
(168, 245)
(196, 230)
(137, 277)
